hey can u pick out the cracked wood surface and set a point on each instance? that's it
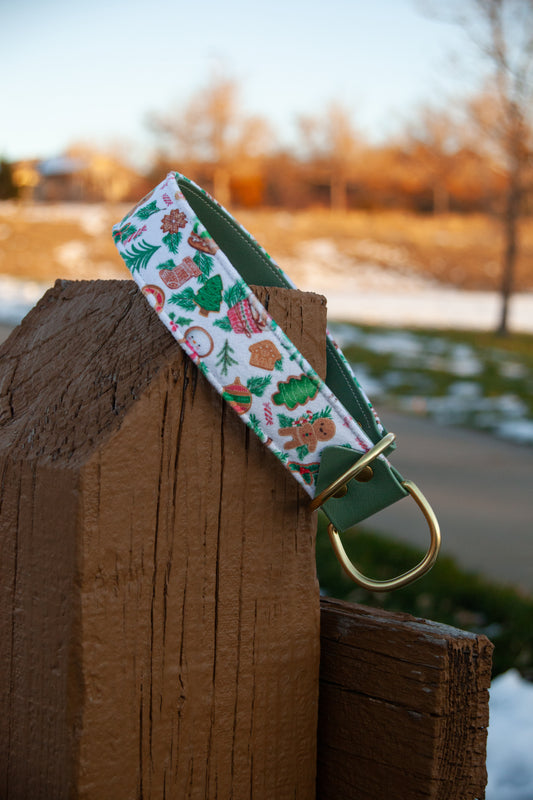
(403, 707)
(159, 615)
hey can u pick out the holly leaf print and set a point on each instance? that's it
(172, 241)
(285, 421)
(302, 451)
(235, 293)
(147, 211)
(184, 299)
(139, 255)
(204, 262)
(258, 386)
(223, 323)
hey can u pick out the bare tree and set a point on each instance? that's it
(432, 139)
(332, 143)
(211, 128)
(502, 33)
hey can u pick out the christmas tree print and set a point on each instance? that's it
(208, 297)
(147, 211)
(295, 391)
(225, 358)
(139, 255)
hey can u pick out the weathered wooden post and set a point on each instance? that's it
(403, 707)
(159, 614)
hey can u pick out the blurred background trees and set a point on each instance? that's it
(454, 155)
(213, 138)
(500, 115)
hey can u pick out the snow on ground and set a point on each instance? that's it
(357, 289)
(510, 739)
(18, 297)
(506, 415)
(362, 291)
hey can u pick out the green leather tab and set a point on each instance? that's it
(255, 266)
(362, 499)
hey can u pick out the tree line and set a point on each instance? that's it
(474, 153)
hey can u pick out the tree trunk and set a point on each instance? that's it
(221, 185)
(338, 198)
(510, 223)
(441, 198)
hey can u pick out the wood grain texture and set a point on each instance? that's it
(159, 614)
(403, 707)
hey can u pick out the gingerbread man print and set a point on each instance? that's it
(309, 434)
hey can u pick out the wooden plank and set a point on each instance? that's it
(159, 611)
(403, 707)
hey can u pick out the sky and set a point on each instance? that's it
(94, 71)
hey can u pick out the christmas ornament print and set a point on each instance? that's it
(221, 325)
(238, 396)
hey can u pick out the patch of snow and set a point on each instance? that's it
(517, 430)
(72, 256)
(94, 219)
(510, 739)
(18, 297)
(512, 370)
(466, 390)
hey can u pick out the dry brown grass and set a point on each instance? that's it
(464, 250)
(42, 243)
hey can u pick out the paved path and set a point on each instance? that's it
(481, 489)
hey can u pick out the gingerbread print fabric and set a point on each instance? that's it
(212, 313)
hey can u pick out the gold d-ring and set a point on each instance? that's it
(407, 577)
(340, 483)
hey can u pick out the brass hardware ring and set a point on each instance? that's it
(407, 577)
(339, 484)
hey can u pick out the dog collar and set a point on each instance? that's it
(194, 263)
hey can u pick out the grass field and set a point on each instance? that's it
(75, 241)
(467, 378)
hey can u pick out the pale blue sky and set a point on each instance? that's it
(93, 70)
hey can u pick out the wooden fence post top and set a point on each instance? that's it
(108, 345)
(412, 695)
(159, 606)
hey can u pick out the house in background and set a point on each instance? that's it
(61, 180)
(81, 176)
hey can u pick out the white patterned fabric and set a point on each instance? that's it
(213, 314)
